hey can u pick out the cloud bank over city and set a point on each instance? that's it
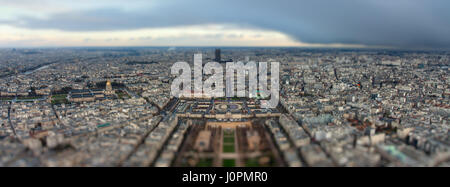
(327, 23)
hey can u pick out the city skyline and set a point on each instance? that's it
(224, 83)
(348, 24)
(113, 107)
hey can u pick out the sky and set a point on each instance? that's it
(415, 24)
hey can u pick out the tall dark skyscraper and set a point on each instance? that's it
(218, 58)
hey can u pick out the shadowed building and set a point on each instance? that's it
(218, 57)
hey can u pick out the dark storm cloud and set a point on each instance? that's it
(397, 23)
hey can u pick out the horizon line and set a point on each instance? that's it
(193, 46)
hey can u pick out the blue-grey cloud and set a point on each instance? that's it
(397, 23)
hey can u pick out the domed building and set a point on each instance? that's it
(109, 90)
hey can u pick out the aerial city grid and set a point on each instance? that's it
(112, 107)
(137, 83)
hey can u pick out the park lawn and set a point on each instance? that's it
(228, 140)
(205, 162)
(59, 99)
(228, 133)
(61, 96)
(252, 162)
(122, 95)
(229, 163)
(228, 148)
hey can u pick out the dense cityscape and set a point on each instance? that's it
(112, 107)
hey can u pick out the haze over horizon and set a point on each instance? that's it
(406, 24)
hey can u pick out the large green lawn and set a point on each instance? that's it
(62, 96)
(229, 163)
(59, 99)
(253, 162)
(228, 148)
(122, 94)
(228, 133)
(205, 162)
(228, 141)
